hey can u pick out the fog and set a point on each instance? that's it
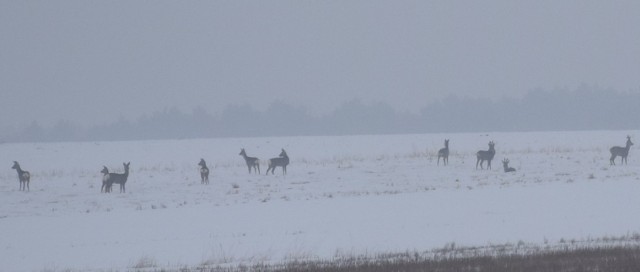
(94, 68)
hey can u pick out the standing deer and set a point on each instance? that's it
(23, 176)
(204, 172)
(251, 162)
(444, 153)
(620, 151)
(486, 156)
(507, 169)
(282, 161)
(106, 187)
(118, 179)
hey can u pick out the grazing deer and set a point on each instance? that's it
(118, 179)
(620, 151)
(486, 156)
(251, 161)
(204, 172)
(282, 161)
(444, 153)
(507, 169)
(23, 176)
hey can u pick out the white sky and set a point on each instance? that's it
(93, 61)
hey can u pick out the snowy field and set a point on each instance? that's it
(341, 196)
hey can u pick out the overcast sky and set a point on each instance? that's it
(93, 61)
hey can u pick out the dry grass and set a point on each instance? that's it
(494, 258)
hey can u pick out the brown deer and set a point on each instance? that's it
(444, 153)
(623, 152)
(486, 156)
(505, 164)
(23, 176)
(106, 188)
(118, 179)
(204, 172)
(252, 162)
(282, 161)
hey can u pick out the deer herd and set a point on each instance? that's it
(108, 179)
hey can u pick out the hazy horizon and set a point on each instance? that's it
(91, 63)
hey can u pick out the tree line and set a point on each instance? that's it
(584, 108)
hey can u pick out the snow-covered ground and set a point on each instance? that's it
(341, 195)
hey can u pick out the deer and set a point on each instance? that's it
(486, 156)
(106, 187)
(204, 172)
(23, 176)
(282, 160)
(444, 153)
(118, 179)
(620, 151)
(252, 162)
(505, 164)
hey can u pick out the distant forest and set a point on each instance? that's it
(582, 109)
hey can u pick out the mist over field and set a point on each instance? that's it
(120, 70)
(585, 108)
